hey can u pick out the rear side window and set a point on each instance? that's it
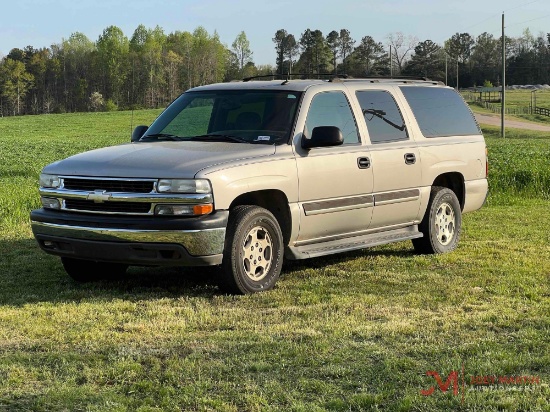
(440, 112)
(382, 115)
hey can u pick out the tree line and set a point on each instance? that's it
(151, 68)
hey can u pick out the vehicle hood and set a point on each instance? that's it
(157, 160)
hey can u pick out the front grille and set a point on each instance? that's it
(130, 186)
(108, 207)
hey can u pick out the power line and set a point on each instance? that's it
(521, 5)
(482, 21)
(498, 14)
(527, 21)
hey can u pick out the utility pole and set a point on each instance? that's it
(391, 64)
(446, 56)
(503, 98)
(457, 74)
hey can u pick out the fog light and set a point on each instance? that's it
(50, 203)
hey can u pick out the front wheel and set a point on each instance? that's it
(441, 224)
(253, 252)
(90, 271)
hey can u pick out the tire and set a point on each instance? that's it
(253, 252)
(90, 271)
(442, 223)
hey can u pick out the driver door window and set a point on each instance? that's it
(332, 109)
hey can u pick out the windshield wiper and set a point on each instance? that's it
(163, 136)
(220, 136)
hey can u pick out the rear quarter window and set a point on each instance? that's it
(440, 112)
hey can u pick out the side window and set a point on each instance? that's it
(332, 109)
(382, 115)
(440, 112)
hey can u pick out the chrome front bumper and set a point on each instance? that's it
(134, 241)
(196, 242)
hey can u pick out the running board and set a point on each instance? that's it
(352, 243)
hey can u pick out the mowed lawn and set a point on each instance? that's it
(352, 332)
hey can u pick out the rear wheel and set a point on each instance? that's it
(441, 224)
(90, 271)
(253, 252)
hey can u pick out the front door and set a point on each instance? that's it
(335, 183)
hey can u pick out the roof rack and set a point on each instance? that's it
(400, 79)
(331, 77)
(302, 76)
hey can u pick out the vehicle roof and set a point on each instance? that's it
(302, 85)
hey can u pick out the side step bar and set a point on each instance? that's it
(352, 243)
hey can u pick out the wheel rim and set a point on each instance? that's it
(257, 253)
(445, 223)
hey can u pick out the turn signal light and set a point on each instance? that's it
(202, 209)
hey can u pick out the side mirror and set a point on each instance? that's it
(138, 132)
(323, 136)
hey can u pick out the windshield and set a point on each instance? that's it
(246, 116)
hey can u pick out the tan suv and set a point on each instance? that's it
(244, 174)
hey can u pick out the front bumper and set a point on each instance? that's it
(158, 241)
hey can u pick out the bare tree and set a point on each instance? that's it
(401, 47)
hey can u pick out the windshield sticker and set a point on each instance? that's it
(260, 138)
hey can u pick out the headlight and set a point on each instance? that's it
(49, 181)
(184, 186)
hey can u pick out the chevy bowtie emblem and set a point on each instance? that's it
(99, 196)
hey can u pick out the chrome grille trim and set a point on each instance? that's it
(183, 198)
(101, 201)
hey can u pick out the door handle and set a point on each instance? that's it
(363, 162)
(410, 158)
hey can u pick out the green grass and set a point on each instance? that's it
(519, 164)
(352, 332)
(522, 98)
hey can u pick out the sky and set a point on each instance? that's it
(41, 23)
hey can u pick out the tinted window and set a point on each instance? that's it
(332, 109)
(383, 118)
(440, 112)
(192, 121)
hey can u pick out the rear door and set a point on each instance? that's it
(395, 159)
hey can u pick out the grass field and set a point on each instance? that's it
(518, 99)
(355, 332)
